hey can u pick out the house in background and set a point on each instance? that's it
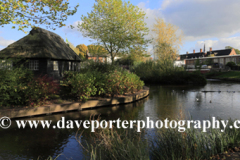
(43, 52)
(100, 58)
(219, 57)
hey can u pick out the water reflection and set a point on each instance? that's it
(163, 102)
(31, 143)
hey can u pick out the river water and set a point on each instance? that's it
(221, 99)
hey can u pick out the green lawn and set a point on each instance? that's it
(230, 74)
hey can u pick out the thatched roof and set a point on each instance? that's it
(40, 43)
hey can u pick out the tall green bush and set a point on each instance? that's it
(101, 80)
(18, 86)
(81, 86)
(231, 64)
(123, 82)
(13, 86)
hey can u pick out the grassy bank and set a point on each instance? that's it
(166, 73)
(230, 74)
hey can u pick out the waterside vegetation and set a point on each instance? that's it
(166, 73)
(168, 144)
(100, 79)
(219, 75)
(20, 87)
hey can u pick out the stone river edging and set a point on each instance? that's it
(71, 106)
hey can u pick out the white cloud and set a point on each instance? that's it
(75, 30)
(203, 18)
(4, 42)
(151, 14)
(218, 44)
(198, 19)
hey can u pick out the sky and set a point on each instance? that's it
(214, 23)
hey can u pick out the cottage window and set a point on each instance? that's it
(55, 65)
(34, 65)
(69, 66)
(78, 66)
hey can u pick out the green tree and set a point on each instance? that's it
(236, 50)
(116, 25)
(97, 49)
(25, 13)
(138, 54)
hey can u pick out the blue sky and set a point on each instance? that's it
(213, 22)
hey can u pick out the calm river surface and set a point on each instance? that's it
(163, 102)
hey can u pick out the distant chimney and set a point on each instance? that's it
(210, 49)
(194, 51)
(187, 52)
(200, 49)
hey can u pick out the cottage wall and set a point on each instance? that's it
(62, 67)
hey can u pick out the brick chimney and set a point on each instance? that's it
(194, 51)
(210, 49)
(200, 49)
(187, 52)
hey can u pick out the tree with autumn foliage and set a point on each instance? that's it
(25, 13)
(167, 39)
(75, 49)
(96, 50)
(82, 49)
(115, 24)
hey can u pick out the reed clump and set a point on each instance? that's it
(166, 144)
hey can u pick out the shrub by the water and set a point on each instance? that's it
(156, 72)
(18, 86)
(40, 89)
(101, 80)
(80, 86)
(231, 64)
(13, 86)
(123, 82)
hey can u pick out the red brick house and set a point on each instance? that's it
(98, 58)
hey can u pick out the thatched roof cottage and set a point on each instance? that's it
(44, 52)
